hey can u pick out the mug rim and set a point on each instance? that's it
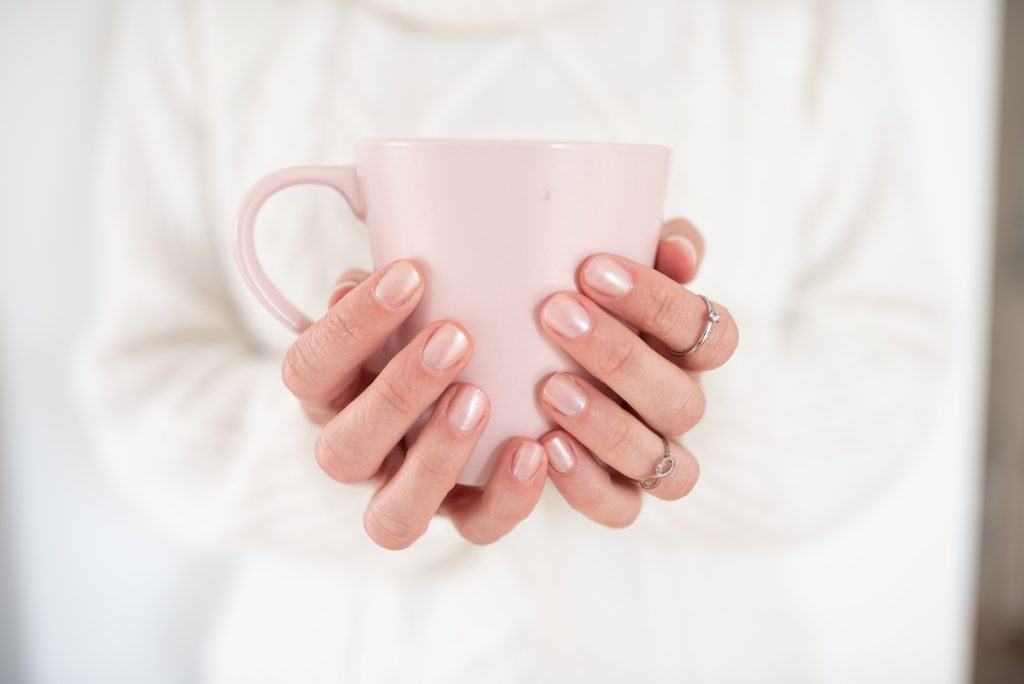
(507, 142)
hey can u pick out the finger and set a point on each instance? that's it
(662, 393)
(656, 304)
(604, 497)
(392, 462)
(345, 284)
(401, 510)
(353, 444)
(510, 496)
(680, 250)
(326, 359)
(614, 435)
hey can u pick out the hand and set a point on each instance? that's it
(660, 390)
(365, 415)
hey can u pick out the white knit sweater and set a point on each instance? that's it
(787, 156)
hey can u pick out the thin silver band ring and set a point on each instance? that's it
(664, 469)
(713, 317)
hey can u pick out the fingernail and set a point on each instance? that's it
(526, 461)
(466, 408)
(445, 347)
(564, 395)
(566, 316)
(607, 277)
(397, 285)
(560, 454)
(686, 244)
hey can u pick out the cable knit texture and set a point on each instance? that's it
(787, 156)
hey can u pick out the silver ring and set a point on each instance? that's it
(713, 317)
(664, 469)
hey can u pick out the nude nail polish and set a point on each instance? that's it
(560, 453)
(564, 395)
(466, 408)
(566, 316)
(445, 348)
(607, 277)
(527, 461)
(686, 244)
(398, 285)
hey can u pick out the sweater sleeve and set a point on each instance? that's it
(189, 415)
(829, 397)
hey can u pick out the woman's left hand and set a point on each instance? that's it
(660, 389)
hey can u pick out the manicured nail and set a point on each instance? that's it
(566, 316)
(564, 395)
(466, 408)
(527, 460)
(607, 277)
(397, 285)
(445, 347)
(686, 244)
(560, 454)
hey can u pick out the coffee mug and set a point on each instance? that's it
(496, 226)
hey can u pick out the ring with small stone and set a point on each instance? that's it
(713, 317)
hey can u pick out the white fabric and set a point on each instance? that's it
(787, 156)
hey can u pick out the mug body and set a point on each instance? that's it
(497, 226)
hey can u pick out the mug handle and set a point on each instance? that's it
(343, 179)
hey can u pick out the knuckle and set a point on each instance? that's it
(388, 530)
(662, 312)
(593, 501)
(618, 438)
(326, 456)
(302, 373)
(588, 499)
(395, 392)
(695, 407)
(506, 515)
(338, 460)
(478, 535)
(337, 330)
(687, 410)
(622, 516)
(677, 423)
(619, 360)
(296, 371)
(434, 464)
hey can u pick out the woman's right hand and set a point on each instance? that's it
(365, 415)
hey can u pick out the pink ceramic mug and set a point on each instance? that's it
(496, 225)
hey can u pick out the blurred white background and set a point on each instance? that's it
(95, 594)
(90, 593)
